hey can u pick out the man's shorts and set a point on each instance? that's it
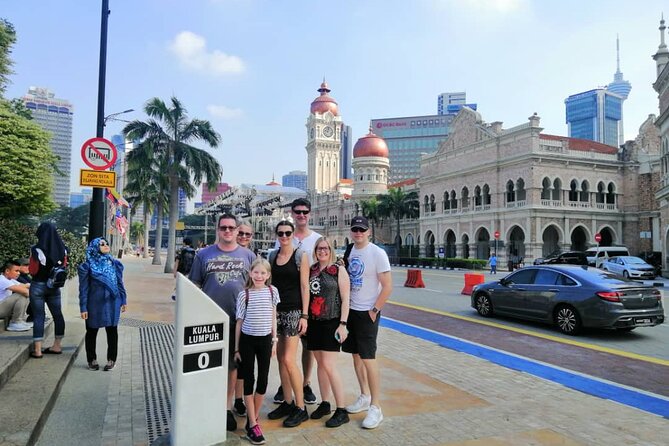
(286, 322)
(362, 334)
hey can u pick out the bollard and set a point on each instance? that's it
(470, 281)
(418, 280)
(414, 279)
(411, 273)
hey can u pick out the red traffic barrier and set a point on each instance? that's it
(470, 281)
(414, 279)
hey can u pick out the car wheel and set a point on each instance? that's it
(567, 320)
(483, 305)
(625, 329)
(626, 275)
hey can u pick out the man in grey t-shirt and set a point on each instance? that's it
(221, 270)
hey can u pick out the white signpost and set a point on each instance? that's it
(200, 371)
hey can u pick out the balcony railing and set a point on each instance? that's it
(516, 204)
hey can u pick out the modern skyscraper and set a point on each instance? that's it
(80, 198)
(409, 137)
(55, 116)
(595, 115)
(346, 151)
(295, 178)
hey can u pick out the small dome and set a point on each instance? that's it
(370, 145)
(324, 102)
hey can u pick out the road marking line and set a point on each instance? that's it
(592, 385)
(599, 348)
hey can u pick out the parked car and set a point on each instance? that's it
(564, 258)
(629, 267)
(571, 297)
(598, 254)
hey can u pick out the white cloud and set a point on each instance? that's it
(223, 112)
(191, 51)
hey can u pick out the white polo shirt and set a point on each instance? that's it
(5, 283)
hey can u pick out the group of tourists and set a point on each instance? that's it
(300, 294)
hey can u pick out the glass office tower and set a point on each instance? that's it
(595, 115)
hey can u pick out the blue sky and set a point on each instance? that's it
(252, 67)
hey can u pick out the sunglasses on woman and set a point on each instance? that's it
(284, 233)
(103, 243)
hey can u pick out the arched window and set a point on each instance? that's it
(585, 191)
(510, 192)
(464, 200)
(601, 193)
(433, 204)
(611, 195)
(446, 203)
(454, 201)
(520, 190)
(477, 196)
(573, 190)
(426, 204)
(557, 190)
(486, 195)
(546, 189)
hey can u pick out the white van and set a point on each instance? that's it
(597, 255)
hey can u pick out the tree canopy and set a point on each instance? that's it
(26, 167)
(7, 40)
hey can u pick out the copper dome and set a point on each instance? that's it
(370, 145)
(324, 102)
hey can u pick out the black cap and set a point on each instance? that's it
(359, 222)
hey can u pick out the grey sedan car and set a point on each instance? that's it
(571, 297)
(629, 267)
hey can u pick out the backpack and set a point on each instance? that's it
(298, 257)
(57, 276)
(186, 258)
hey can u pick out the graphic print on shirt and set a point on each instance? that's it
(355, 270)
(226, 268)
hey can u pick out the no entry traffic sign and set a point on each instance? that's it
(99, 153)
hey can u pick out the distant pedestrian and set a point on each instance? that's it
(49, 252)
(371, 285)
(102, 299)
(184, 260)
(255, 340)
(24, 277)
(492, 261)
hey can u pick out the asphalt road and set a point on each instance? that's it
(442, 293)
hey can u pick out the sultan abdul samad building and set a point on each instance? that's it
(540, 191)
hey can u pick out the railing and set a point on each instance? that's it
(579, 204)
(516, 204)
(607, 206)
(551, 203)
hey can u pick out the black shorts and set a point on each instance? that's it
(320, 335)
(232, 365)
(362, 333)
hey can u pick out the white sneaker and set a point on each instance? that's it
(29, 324)
(373, 419)
(17, 326)
(362, 403)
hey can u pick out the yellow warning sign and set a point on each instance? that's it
(97, 178)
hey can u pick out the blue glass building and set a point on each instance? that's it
(295, 178)
(595, 115)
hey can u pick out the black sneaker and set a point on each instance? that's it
(255, 436)
(278, 398)
(340, 417)
(283, 410)
(296, 418)
(309, 396)
(322, 410)
(239, 407)
(232, 423)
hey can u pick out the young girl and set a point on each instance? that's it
(256, 340)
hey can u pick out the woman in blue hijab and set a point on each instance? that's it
(102, 298)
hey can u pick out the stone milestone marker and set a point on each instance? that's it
(200, 370)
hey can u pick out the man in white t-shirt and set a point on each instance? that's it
(14, 297)
(304, 239)
(371, 285)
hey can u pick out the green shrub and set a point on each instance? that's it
(16, 238)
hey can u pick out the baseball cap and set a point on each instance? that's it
(359, 222)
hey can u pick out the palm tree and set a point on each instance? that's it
(147, 187)
(398, 204)
(370, 209)
(172, 132)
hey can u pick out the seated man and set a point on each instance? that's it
(13, 297)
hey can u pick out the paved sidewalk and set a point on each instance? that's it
(431, 395)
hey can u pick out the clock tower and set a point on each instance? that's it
(323, 143)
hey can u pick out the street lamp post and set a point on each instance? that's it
(96, 218)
